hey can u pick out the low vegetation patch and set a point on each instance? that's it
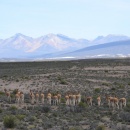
(13, 108)
(97, 90)
(2, 93)
(9, 121)
(82, 105)
(62, 81)
(0, 110)
(101, 127)
(20, 117)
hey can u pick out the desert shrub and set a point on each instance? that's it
(113, 89)
(101, 127)
(48, 125)
(127, 108)
(2, 93)
(106, 71)
(32, 118)
(121, 86)
(13, 108)
(14, 91)
(31, 126)
(95, 97)
(62, 100)
(5, 76)
(109, 113)
(0, 110)
(21, 117)
(106, 84)
(128, 105)
(75, 128)
(9, 121)
(25, 77)
(63, 82)
(45, 109)
(125, 116)
(97, 90)
(17, 80)
(123, 127)
(128, 100)
(12, 95)
(55, 114)
(59, 78)
(83, 98)
(82, 105)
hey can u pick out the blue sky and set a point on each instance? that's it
(74, 18)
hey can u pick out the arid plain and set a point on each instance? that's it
(90, 77)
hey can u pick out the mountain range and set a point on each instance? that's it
(57, 45)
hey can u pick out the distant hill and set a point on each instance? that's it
(112, 49)
(109, 38)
